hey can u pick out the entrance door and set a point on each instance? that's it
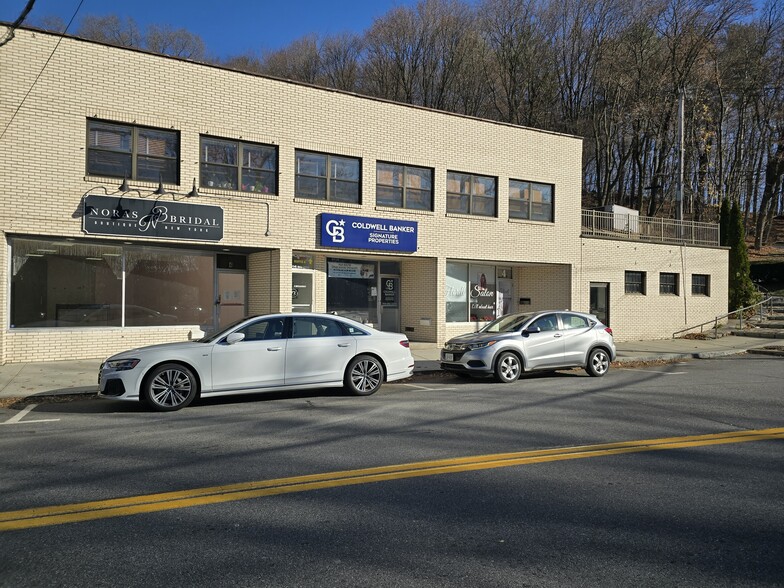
(232, 295)
(390, 303)
(600, 301)
(301, 292)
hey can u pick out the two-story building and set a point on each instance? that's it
(144, 198)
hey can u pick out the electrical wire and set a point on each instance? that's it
(40, 73)
(17, 23)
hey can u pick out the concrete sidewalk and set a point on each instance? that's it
(81, 376)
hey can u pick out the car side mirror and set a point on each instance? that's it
(235, 337)
(533, 330)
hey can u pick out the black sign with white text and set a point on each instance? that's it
(154, 218)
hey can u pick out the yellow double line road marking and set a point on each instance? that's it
(117, 507)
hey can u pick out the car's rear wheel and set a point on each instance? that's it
(507, 368)
(170, 386)
(364, 375)
(598, 363)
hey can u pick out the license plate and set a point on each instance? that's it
(449, 357)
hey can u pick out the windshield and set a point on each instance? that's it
(507, 324)
(215, 335)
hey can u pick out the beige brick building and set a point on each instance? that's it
(305, 198)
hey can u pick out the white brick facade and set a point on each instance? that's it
(43, 181)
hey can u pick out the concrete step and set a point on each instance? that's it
(773, 350)
(760, 333)
(769, 324)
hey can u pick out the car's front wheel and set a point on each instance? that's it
(364, 375)
(598, 363)
(507, 368)
(170, 386)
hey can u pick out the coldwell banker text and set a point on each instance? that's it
(367, 233)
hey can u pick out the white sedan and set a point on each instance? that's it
(260, 354)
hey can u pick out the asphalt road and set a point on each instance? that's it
(655, 476)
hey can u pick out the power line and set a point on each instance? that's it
(40, 73)
(18, 22)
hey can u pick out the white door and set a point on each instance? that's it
(318, 351)
(258, 361)
(231, 302)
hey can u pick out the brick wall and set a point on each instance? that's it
(43, 181)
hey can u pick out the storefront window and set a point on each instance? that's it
(76, 284)
(477, 292)
(168, 288)
(352, 289)
(456, 292)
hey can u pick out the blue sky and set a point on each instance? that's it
(228, 27)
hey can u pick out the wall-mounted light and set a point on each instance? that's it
(194, 191)
(124, 187)
(161, 190)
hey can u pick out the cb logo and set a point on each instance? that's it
(336, 231)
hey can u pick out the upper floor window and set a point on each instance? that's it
(529, 200)
(668, 283)
(470, 194)
(235, 165)
(327, 177)
(133, 152)
(635, 282)
(404, 186)
(700, 284)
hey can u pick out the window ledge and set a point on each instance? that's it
(209, 192)
(334, 203)
(526, 221)
(470, 216)
(405, 210)
(108, 182)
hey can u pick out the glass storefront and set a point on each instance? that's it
(352, 289)
(477, 292)
(63, 283)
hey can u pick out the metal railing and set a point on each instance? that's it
(762, 307)
(632, 227)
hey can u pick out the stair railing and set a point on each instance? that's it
(762, 307)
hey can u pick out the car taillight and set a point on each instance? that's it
(404, 342)
(608, 329)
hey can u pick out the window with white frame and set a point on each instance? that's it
(470, 194)
(118, 150)
(530, 200)
(238, 165)
(404, 186)
(322, 176)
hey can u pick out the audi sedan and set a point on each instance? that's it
(262, 353)
(525, 342)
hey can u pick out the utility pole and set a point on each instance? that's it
(679, 186)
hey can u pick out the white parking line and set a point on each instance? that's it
(16, 419)
(654, 372)
(426, 388)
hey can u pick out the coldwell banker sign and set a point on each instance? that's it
(359, 232)
(132, 217)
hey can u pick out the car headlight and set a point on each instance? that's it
(120, 365)
(482, 345)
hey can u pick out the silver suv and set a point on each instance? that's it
(529, 341)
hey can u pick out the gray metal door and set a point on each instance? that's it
(389, 303)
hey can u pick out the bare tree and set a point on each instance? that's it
(165, 40)
(299, 61)
(111, 29)
(340, 61)
(520, 69)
